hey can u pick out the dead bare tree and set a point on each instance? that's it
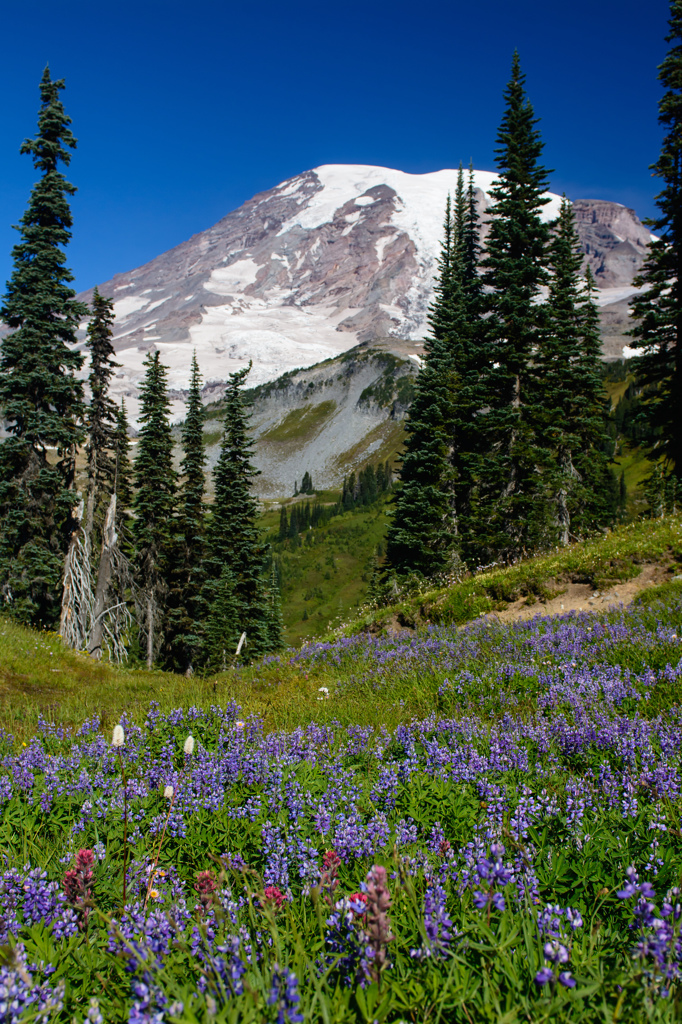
(149, 617)
(77, 596)
(111, 619)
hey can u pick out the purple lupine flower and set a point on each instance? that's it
(544, 975)
(284, 996)
(437, 924)
(345, 941)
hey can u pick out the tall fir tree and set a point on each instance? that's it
(459, 221)
(124, 479)
(155, 481)
(470, 249)
(182, 643)
(571, 404)
(283, 523)
(469, 354)
(422, 534)
(41, 397)
(598, 499)
(658, 310)
(102, 417)
(512, 517)
(232, 538)
(433, 518)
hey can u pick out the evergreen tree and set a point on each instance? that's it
(223, 622)
(470, 250)
(275, 619)
(102, 417)
(469, 355)
(422, 531)
(293, 523)
(283, 523)
(659, 309)
(232, 534)
(155, 481)
(41, 397)
(124, 480)
(459, 219)
(597, 500)
(622, 496)
(511, 516)
(444, 454)
(182, 642)
(571, 405)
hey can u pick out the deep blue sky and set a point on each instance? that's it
(184, 110)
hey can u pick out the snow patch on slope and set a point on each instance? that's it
(129, 304)
(235, 278)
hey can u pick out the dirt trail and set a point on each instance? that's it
(578, 597)
(581, 597)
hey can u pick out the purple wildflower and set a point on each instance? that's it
(284, 996)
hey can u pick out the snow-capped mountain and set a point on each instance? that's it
(335, 256)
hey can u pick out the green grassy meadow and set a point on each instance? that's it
(326, 577)
(39, 677)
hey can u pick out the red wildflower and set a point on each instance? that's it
(331, 861)
(205, 886)
(77, 884)
(329, 876)
(274, 895)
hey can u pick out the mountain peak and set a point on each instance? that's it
(334, 256)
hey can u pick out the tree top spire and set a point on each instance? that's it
(54, 134)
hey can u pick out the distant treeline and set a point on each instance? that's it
(358, 490)
(628, 419)
(367, 486)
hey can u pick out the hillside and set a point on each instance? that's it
(325, 574)
(592, 575)
(38, 676)
(325, 420)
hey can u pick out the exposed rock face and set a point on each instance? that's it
(613, 238)
(336, 256)
(327, 419)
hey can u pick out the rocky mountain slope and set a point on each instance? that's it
(338, 255)
(326, 420)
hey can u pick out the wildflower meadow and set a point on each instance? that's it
(513, 855)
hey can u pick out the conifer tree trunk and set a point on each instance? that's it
(150, 629)
(566, 471)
